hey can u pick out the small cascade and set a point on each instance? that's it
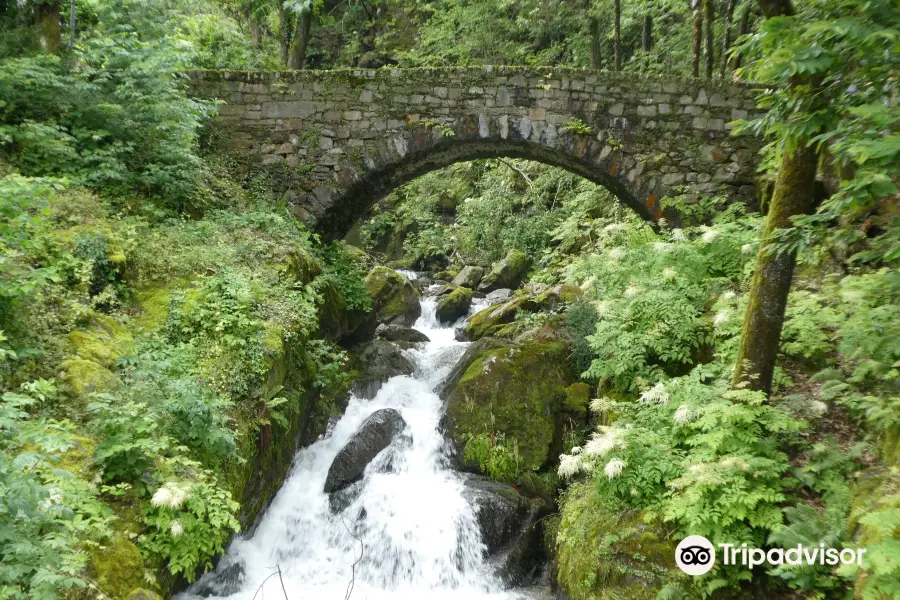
(404, 532)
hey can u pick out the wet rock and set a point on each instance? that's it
(401, 333)
(454, 305)
(224, 581)
(339, 500)
(376, 362)
(472, 353)
(506, 273)
(374, 435)
(329, 427)
(469, 277)
(499, 509)
(492, 321)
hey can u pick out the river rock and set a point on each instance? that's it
(506, 273)
(517, 390)
(498, 295)
(226, 580)
(401, 333)
(376, 362)
(469, 277)
(374, 435)
(500, 510)
(471, 353)
(454, 305)
(394, 298)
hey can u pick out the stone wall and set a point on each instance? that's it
(337, 141)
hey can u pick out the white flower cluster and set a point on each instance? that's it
(601, 405)
(605, 440)
(728, 296)
(171, 495)
(614, 468)
(669, 273)
(684, 415)
(603, 307)
(617, 253)
(709, 234)
(631, 291)
(176, 528)
(678, 235)
(721, 318)
(614, 227)
(656, 395)
(662, 246)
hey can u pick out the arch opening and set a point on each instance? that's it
(359, 198)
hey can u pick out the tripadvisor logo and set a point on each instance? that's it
(695, 555)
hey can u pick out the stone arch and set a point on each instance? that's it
(334, 141)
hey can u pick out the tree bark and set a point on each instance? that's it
(254, 32)
(596, 45)
(301, 40)
(284, 33)
(697, 37)
(726, 42)
(618, 35)
(743, 28)
(793, 195)
(710, 37)
(49, 28)
(647, 34)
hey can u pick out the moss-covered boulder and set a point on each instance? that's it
(578, 396)
(606, 554)
(102, 340)
(516, 391)
(489, 321)
(394, 299)
(143, 594)
(506, 273)
(118, 568)
(469, 277)
(83, 377)
(454, 305)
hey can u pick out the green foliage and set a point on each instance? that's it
(496, 455)
(345, 271)
(50, 517)
(577, 126)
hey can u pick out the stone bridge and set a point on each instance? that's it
(335, 142)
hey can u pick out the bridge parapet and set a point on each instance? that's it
(336, 141)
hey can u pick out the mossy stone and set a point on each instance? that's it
(302, 264)
(506, 273)
(454, 305)
(117, 567)
(491, 320)
(605, 553)
(102, 341)
(578, 396)
(516, 391)
(394, 299)
(85, 376)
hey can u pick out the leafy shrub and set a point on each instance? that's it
(497, 456)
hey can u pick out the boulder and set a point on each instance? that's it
(471, 353)
(226, 580)
(376, 362)
(394, 298)
(637, 552)
(492, 320)
(454, 305)
(498, 295)
(401, 333)
(516, 391)
(500, 510)
(143, 594)
(374, 435)
(469, 277)
(506, 273)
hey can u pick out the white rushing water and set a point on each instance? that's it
(410, 530)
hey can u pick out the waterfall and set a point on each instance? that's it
(408, 534)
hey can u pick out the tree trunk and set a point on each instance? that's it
(647, 34)
(761, 332)
(771, 284)
(710, 37)
(49, 28)
(301, 40)
(743, 28)
(254, 32)
(697, 37)
(618, 35)
(284, 33)
(596, 46)
(726, 42)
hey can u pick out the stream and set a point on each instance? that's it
(409, 534)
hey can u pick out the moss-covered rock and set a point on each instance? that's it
(394, 299)
(454, 305)
(578, 396)
(85, 376)
(516, 391)
(102, 340)
(469, 277)
(506, 273)
(488, 322)
(302, 264)
(118, 568)
(605, 554)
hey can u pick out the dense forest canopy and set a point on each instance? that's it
(168, 325)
